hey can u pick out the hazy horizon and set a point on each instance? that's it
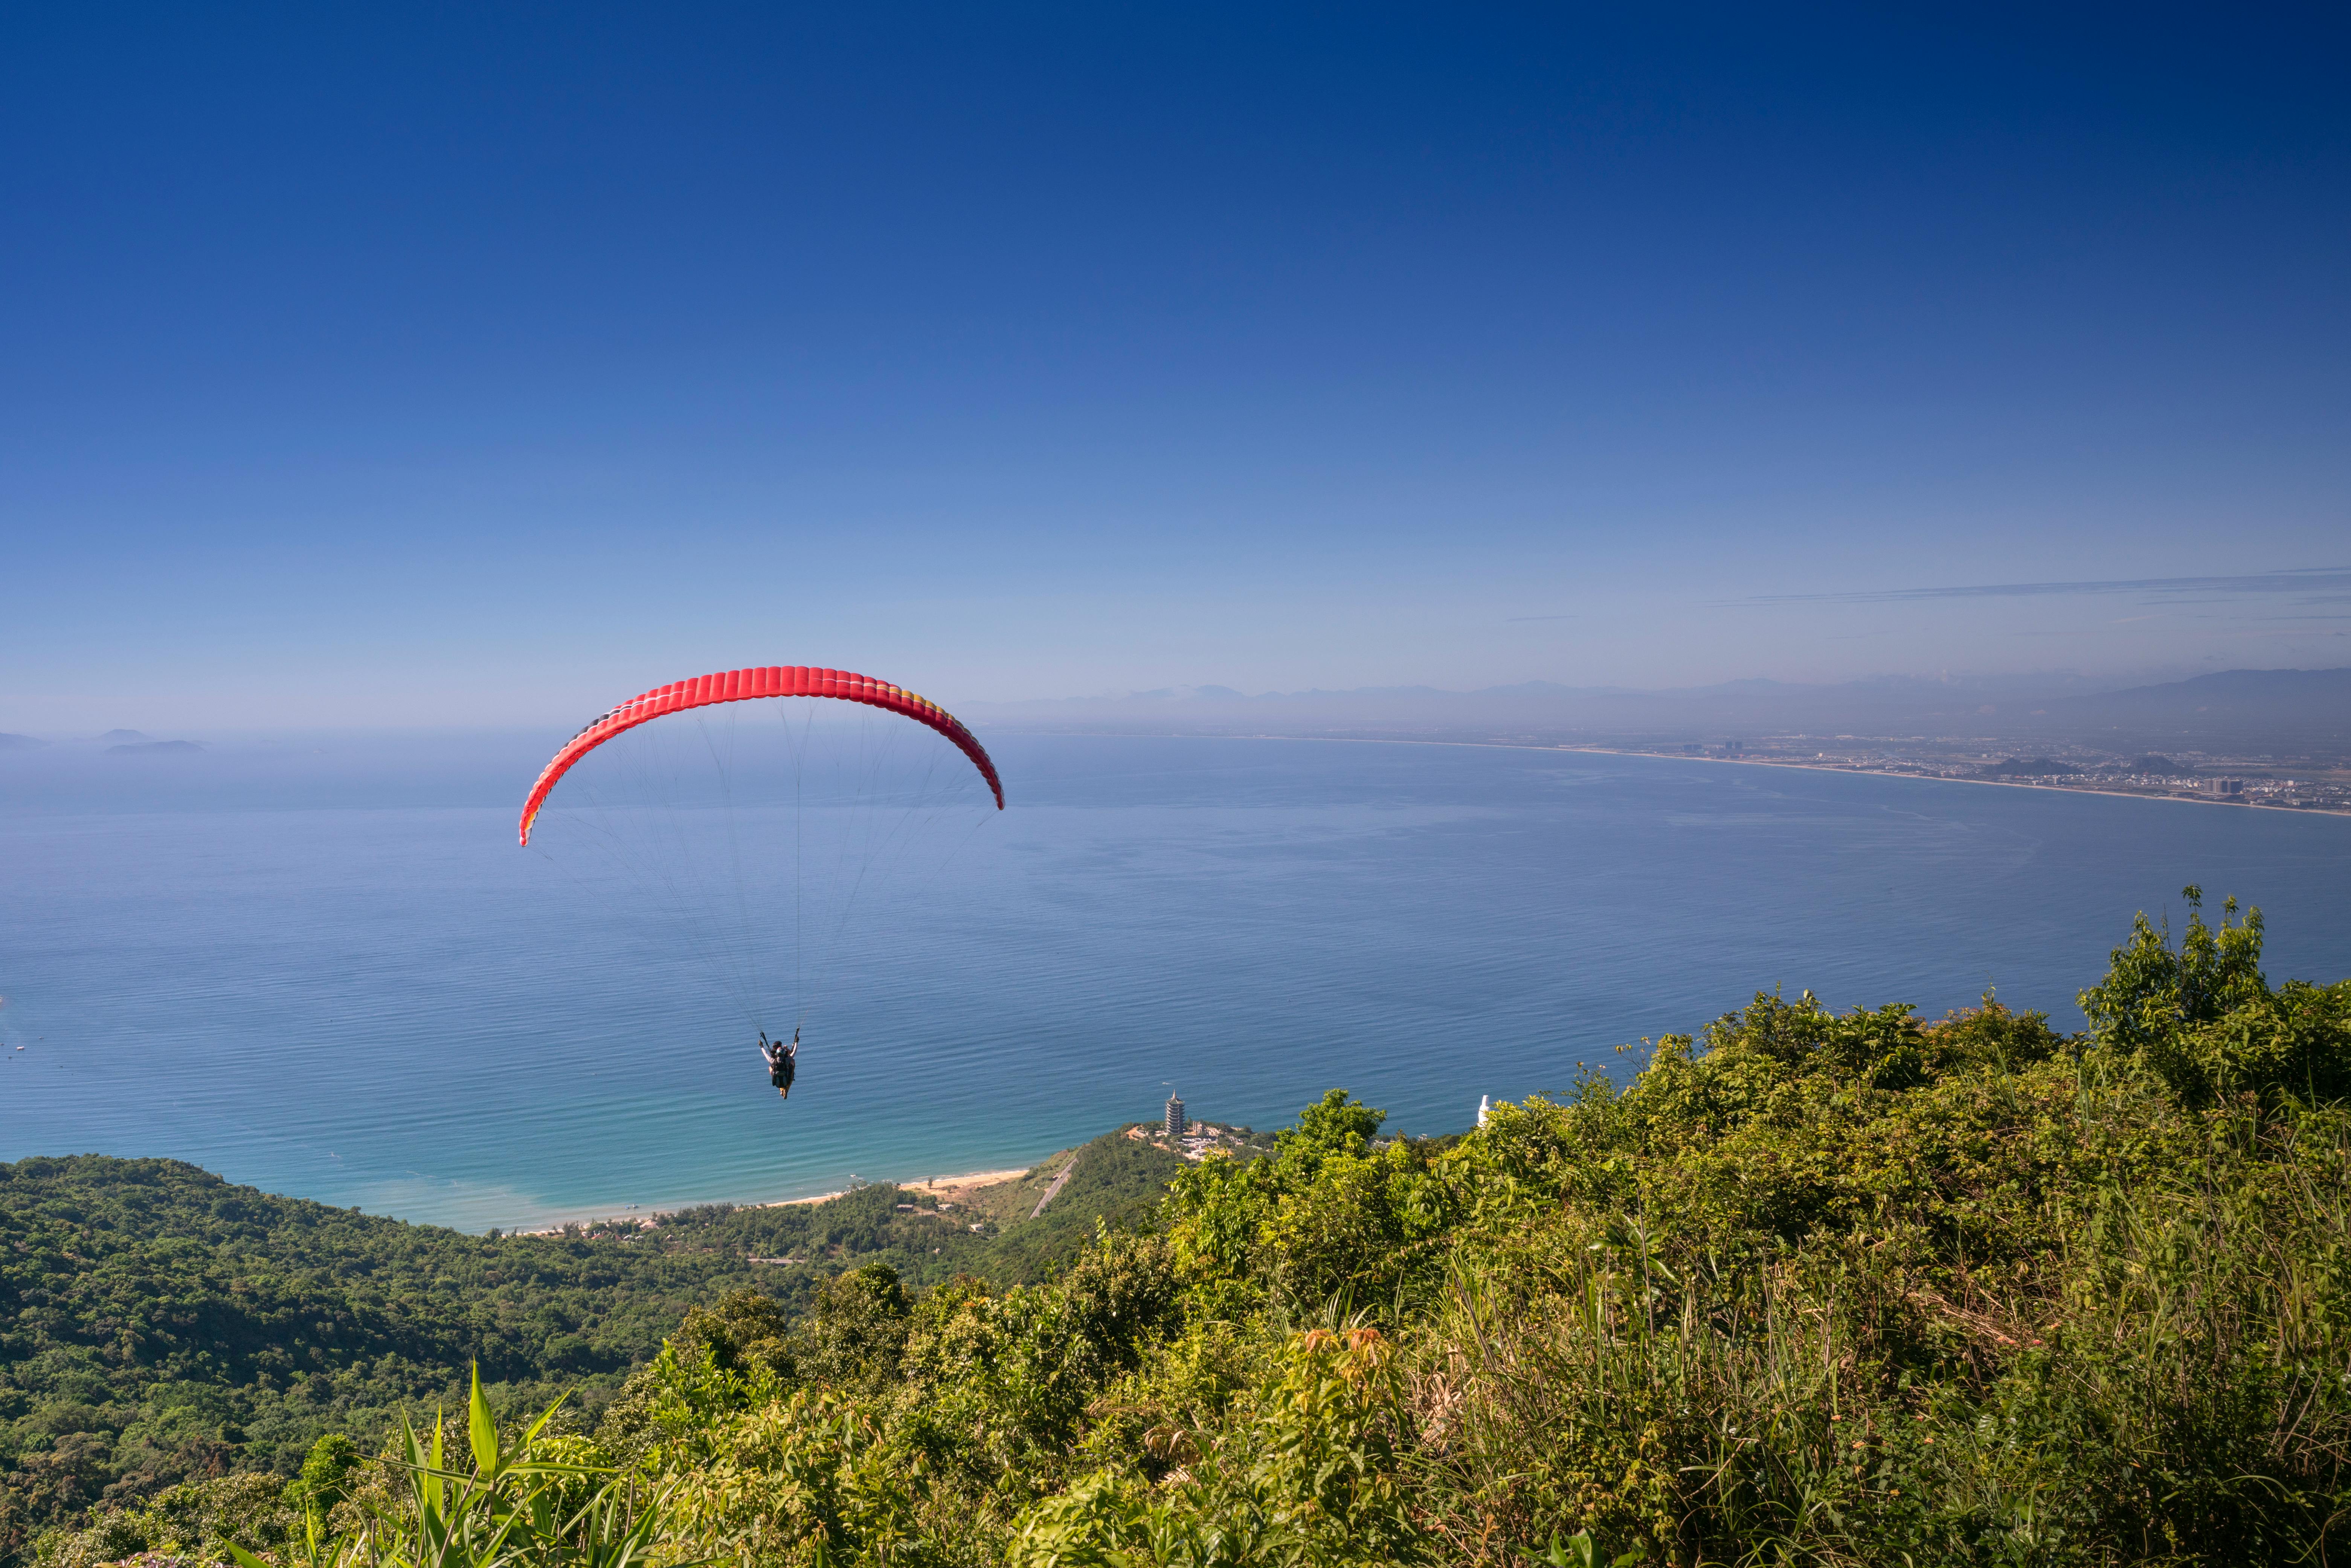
(2301, 709)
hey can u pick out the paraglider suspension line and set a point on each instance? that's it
(800, 947)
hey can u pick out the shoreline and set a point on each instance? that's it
(647, 1217)
(2237, 802)
(1735, 761)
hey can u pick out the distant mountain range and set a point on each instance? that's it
(2314, 704)
(2293, 711)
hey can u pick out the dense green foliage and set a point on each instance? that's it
(1822, 1288)
(160, 1326)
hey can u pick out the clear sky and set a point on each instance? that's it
(486, 364)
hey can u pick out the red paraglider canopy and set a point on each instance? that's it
(744, 685)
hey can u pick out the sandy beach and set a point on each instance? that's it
(956, 1187)
(953, 1188)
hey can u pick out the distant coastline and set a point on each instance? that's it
(2239, 803)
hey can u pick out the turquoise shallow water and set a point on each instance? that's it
(365, 994)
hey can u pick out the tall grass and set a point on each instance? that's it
(2174, 1383)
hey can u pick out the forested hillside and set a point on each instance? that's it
(158, 1324)
(1815, 1288)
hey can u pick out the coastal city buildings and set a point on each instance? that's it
(2311, 783)
(1177, 1134)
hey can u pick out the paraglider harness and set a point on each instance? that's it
(782, 1061)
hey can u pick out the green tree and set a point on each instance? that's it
(326, 1474)
(1337, 1123)
(2152, 992)
(856, 1330)
(744, 1330)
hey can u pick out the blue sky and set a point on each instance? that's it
(483, 364)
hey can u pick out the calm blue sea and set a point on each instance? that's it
(349, 984)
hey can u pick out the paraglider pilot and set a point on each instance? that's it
(782, 1061)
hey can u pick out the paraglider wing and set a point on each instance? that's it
(745, 686)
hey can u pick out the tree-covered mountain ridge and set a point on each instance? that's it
(1839, 1288)
(159, 1324)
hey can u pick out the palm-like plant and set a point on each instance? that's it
(515, 1508)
